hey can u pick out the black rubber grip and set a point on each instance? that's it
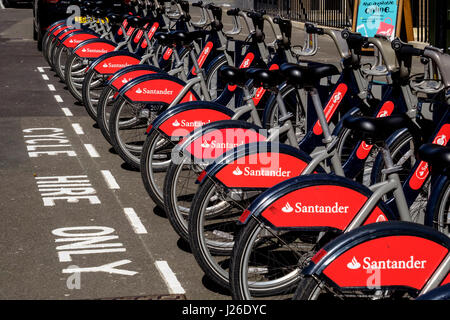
(256, 14)
(233, 12)
(410, 51)
(313, 30)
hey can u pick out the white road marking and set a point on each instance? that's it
(134, 220)
(58, 98)
(78, 129)
(51, 87)
(91, 150)
(40, 69)
(45, 77)
(110, 180)
(67, 112)
(169, 278)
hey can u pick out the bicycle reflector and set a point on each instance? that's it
(244, 216)
(148, 129)
(201, 176)
(319, 255)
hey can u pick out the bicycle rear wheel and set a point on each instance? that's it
(267, 264)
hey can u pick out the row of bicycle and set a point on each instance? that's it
(288, 177)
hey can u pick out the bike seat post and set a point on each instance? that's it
(321, 115)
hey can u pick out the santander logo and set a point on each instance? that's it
(246, 63)
(335, 102)
(205, 144)
(287, 208)
(189, 124)
(422, 171)
(115, 65)
(237, 171)
(331, 106)
(248, 172)
(314, 209)
(441, 140)
(370, 263)
(337, 97)
(354, 264)
(88, 50)
(220, 145)
(383, 114)
(366, 146)
(146, 91)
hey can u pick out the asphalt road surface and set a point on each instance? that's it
(76, 222)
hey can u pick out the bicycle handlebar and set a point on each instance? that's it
(311, 29)
(405, 49)
(233, 12)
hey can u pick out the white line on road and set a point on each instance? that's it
(45, 77)
(91, 150)
(51, 87)
(40, 69)
(110, 180)
(58, 98)
(169, 278)
(134, 220)
(78, 129)
(67, 112)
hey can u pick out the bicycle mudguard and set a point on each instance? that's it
(61, 28)
(156, 88)
(439, 293)
(56, 24)
(179, 121)
(111, 62)
(314, 202)
(382, 255)
(94, 48)
(257, 166)
(73, 39)
(208, 142)
(66, 32)
(127, 74)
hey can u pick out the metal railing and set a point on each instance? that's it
(332, 13)
(421, 20)
(339, 13)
